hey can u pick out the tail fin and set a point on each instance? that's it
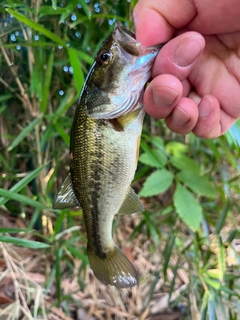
(115, 269)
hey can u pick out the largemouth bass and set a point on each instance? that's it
(104, 149)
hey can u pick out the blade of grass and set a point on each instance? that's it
(172, 284)
(24, 133)
(68, 100)
(34, 218)
(221, 260)
(58, 257)
(13, 230)
(78, 75)
(77, 254)
(20, 17)
(85, 7)
(204, 306)
(63, 134)
(47, 82)
(22, 183)
(24, 243)
(167, 253)
(222, 218)
(23, 199)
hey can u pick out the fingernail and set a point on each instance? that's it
(180, 117)
(205, 107)
(188, 50)
(164, 96)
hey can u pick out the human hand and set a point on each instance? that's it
(196, 76)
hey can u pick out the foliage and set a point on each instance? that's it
(190, 187)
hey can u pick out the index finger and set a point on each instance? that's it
(157, 20)
(151, 28)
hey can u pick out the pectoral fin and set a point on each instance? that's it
(65, 197)
(131, 203)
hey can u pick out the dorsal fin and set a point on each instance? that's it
(65, 197)
(131, 203)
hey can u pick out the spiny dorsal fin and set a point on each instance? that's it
(65, 197)
(131, 203)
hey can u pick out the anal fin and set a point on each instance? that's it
(131, 203)
(65, 197)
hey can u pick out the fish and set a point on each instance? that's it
(104, 148)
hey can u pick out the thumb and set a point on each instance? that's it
(179, 55)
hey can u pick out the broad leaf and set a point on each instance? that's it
(183, 162)
(158, 182)
(175, 148)
(187, 207)
(156, 159)
(199, 184)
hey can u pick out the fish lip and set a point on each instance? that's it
(128, 42)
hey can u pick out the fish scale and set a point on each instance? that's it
(104, 150)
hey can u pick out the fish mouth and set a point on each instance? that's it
(133, 62)
(129, 44)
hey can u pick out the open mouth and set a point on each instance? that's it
(126, 39)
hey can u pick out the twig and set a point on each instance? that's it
(13, 269)
(18, 82)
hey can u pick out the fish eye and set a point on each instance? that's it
(103, 56)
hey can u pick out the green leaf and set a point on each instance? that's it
(176, 148)
(156, 141)
(3, 108)
(76, 254)
(158, 182)
(204, 305)
(199, 184)
(24, 243)
(46, 83)
(5, 97)
(183, 162)
(22, 183)
(149, 160)
(155, 158)
(13, 230)
(20, 17)
(85, 57)
(187, 207)
(221, 260)
(63, 134)
(78, 75)
(47, 10)
(65, 103)
(152, 228)
(222, 218)
(54, 4)
(36, 82)
(85, 7)
(167, 253)
(211, 282)
(24, 133)
(20, 198)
